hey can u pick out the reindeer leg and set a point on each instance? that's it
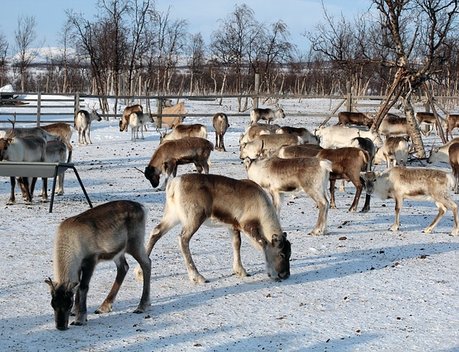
(24, 184)
(323, 205)
(332, 193)
(358, 191)
(441, 211)
(87, 269)
(398, 206)
(122, 268)
(144, 261)
(238, 269)
(184, 241)
(44, 190)
(12, 199)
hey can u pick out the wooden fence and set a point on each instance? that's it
(37, 109)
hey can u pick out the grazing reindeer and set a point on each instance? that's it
(128, 110)
(441, 153)
(82, 124)
(402, 183)
(394, 151)
(191, 199)
(105, 232)
(29, 148)
(354, 118)
(170, 154)
(182, 130)
(220, 124)
(268, 115)
(287, 175)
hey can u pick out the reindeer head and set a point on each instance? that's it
(4, 144)
(152, 174)
(62, 302)
(277, 254)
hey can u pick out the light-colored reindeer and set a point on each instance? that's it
(192, 199)
(105, 232)
(82, 124)
(402, 183)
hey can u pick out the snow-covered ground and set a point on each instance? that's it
(358, 288)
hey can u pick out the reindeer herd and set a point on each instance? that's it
(277, 160)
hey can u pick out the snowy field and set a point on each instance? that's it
(358, 288)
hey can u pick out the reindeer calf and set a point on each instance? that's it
(394, 151)
(220, 124)
(82, 124)
(402, 183)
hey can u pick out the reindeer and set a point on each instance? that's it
(267, 145)
(170, 154)
(341, 136)
(452, 121)
(453, 154)
(179, 112)
(52, 132)
(427, 118)
(220, 124)
(394, 125)
(82, 124)
(300, 132)
(394, 151)
(266, 114)
(128, 110)
(402, 183)
(192, 199)
(256, 130)
(182, 130)
(136, 120)
(27, 148)
(354, 118)
(105, 232)
(286, 175)
(441, 153)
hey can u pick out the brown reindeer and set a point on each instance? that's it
(170, 154)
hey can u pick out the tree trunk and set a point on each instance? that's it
(413, 128)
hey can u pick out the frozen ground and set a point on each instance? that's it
(358, 288)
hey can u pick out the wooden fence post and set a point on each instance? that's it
(38, 108)
(348, 96)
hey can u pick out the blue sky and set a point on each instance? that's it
(300, 15)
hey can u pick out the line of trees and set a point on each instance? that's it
(396, 48)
